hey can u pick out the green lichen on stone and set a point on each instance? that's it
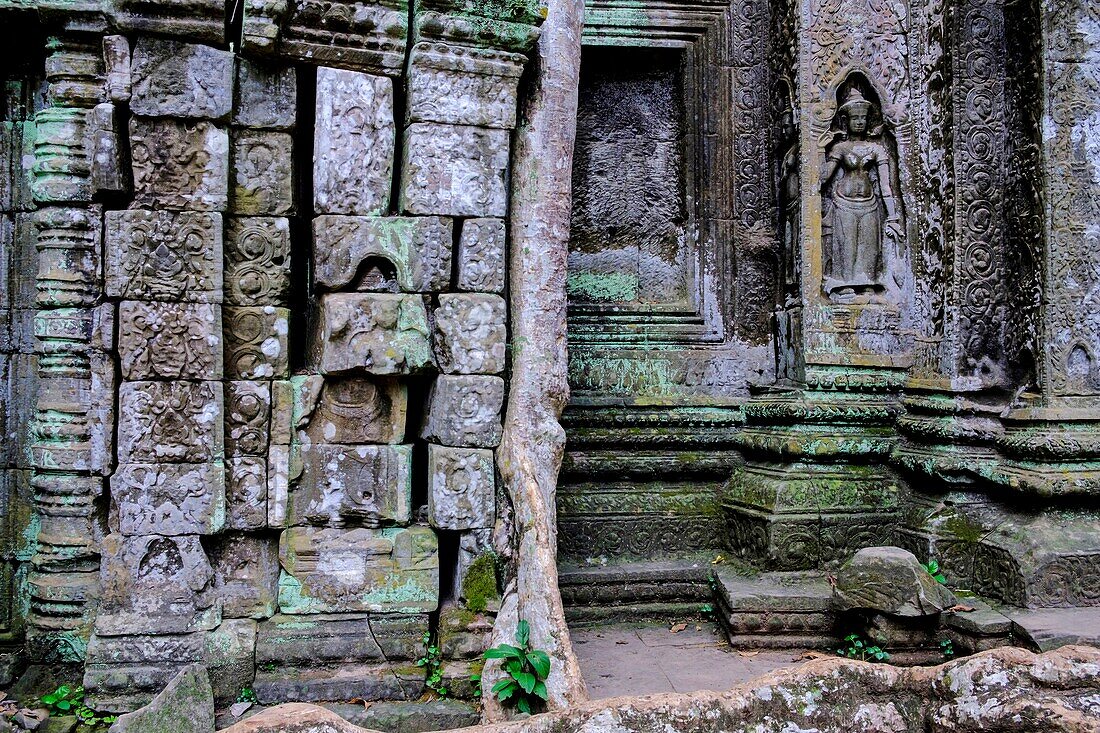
(479, 587)
(605, 287)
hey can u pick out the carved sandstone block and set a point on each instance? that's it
(165, 256)
(177, 165)
(417, 248)
(256, 342)
(356, 410)
(464, 410)
(372, 333)
(471, 334)
(353, 148)
(341, 571)
(246, 492)
(170, 422)
(341, 485)
(246, 575)
(462, 488)
(170, 340)
(462, 85)
(257, 261)
(168, 499)
(452, 170)
(107, 170)
(267, 96)
(116, 62)
(263, 173)
(155, 585)
(481, 256)
(174, 79)
(247, 414)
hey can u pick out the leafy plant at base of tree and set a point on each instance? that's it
(858, 649)
(432, 662)
(933, 568)
(69, 700)
(525, 686)
(247, 694)
(947, 648)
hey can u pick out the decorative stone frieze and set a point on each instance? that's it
(263, 174)
(481, 253)
(164, 255)
(179, 165)
(453, 170)
(170, 340)
(357, 410)
(372, 333)
(347, 33)
(464, 410)
(462, 488)
(256, 344)
(267, 95)
(170, 422)
(460, 85)
(247, 418)
(246, 575)
(364, 485)
(195, 20)
(257, 261)
(173, 79)
(246, 492)
(417, 248)
(168, 498)
(471, 334)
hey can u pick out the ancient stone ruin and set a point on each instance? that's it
(332, 329)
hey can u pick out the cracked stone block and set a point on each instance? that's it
(340, 638)
(174, 79)
(256, 344)
(170, 340)
(179, 165)
(168, 498)
(170, 422)
(461, 488)
(246, 575)
(452, 170)
(367, 485)
(481, 256)
(471, 333)
(417, 249)
(108, 172)
(459, 85)
(124, 673)
(284, 405)
(257, 261)
(356, 410)
(164, 256)
(464, 410)
(116, 63)
(155, 585)
(372, 333)
(247, 413)
(263, 173)
(267, 96)
(349, 570)
(246, 492)
(354, 139)
(229, 657)
(278, 484)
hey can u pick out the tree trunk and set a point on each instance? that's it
(533, 443)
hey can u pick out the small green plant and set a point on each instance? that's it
(947, 648)
(432, 662)
(859, 649)
(476, 679)
(69, 700)
(933, 568)
(707, 610)
(525, 686)
(712, 581)
(267, 667)
(247, 694)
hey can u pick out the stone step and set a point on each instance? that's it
(1049, 628)
(655, 590)
(782, 610)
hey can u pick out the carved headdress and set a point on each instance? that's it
(855, 102)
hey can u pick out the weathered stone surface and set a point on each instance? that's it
(353, 148)
(372, 333)
(116, 63)
(173, 79)
(340, 638)
(178, 165)
(475, 581)
(229, 654)
(460, 85)
(442, 714)
(256, 345)
(369, 682)
(246, 575)
(464, 410)
(246, 488)
(165, 256)
(247, 412)
(417, 249)
(462, 487)
(186, 705)
(257, 261)
(108, 173)
(155, 585)
(453, 170)
(296, 717)
(170, 422)
(263, 173)
(168, 499)
(267, 96)
(354, 410)
(342, 485)
(278, 484)
(481, 256)
(170, 340)
(471, 334)
(339, 571)
(889, 580)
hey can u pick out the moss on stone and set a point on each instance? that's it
(479, 587)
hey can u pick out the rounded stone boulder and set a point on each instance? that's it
(889, 580)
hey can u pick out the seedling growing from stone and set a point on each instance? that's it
(432, 662)
(947, 648)
(859, 649)
(525, 686)
(933, 569)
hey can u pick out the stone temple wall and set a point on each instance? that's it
(270, 341)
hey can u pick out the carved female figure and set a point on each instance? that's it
(861, 209)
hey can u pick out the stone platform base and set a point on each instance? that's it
(635, 591)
